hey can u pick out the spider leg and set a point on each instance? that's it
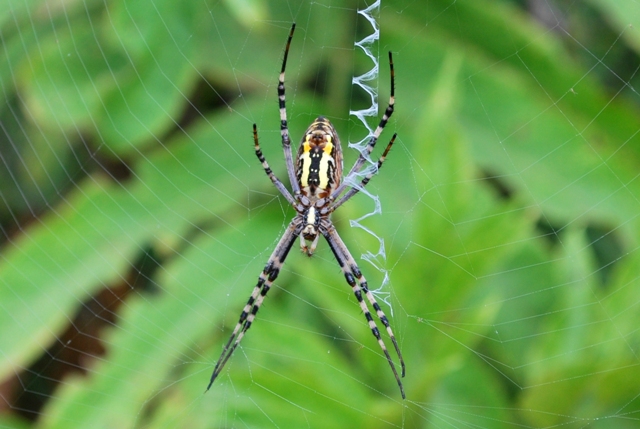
(354, 190)
(284, 129)
(266, 278)
(358, 283)
(374, 138)
(278, 184)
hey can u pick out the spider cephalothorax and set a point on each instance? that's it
(316, 182)
(319, 160)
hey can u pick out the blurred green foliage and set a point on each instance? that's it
(510, 213)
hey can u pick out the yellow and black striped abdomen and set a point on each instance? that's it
(319, 160)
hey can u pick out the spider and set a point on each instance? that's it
(316, 181)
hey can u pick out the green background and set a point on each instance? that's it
(136, 218)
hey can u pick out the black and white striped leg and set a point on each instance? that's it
(355, 189)
(266, 278)
(374, 138)
(278, 184)
(359, 284)
(284, 128)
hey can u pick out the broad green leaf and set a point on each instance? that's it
(91, 239)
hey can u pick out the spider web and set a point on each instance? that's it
(363, 81)
(502, 230)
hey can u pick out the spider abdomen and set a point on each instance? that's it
(319, 160)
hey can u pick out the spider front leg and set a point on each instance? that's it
(358, 283)
(284, 128)
(355, 189)
(266, 278)
(274, 179)
(374, 138)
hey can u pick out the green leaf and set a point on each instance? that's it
(91, 240)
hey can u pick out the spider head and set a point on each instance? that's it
(319, 160)
(311, 221)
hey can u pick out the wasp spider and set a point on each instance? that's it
(316, 179)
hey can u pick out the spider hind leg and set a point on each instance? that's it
(359, 284)
(250, 310)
